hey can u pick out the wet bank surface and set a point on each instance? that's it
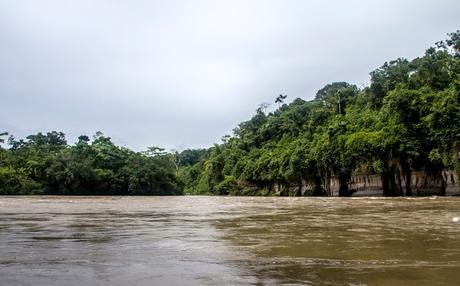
(229, 241)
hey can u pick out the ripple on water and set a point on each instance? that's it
(231, 241)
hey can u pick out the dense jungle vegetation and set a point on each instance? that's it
(408, 118)
(46, 164)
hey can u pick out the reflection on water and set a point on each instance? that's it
(229, 241)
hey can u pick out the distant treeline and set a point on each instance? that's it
(46, 164)
(407, 119)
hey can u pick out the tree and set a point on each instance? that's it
(336, 95)
(387, 77)
(45, 164)
(1, 139)
(407, 118)
(280, 99)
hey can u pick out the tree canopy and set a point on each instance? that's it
(46, 164)
(407, 118)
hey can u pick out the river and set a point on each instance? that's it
(229, 241)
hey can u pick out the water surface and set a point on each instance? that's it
(229, 241)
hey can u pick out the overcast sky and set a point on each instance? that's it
(182, 74)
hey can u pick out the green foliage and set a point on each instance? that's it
(190, 157)
(336, 96)
(408, 118)
(228, 186)
(45, 164)
(16, 181)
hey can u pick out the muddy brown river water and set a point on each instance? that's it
(229, 241)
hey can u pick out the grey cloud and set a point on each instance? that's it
(184, 73)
